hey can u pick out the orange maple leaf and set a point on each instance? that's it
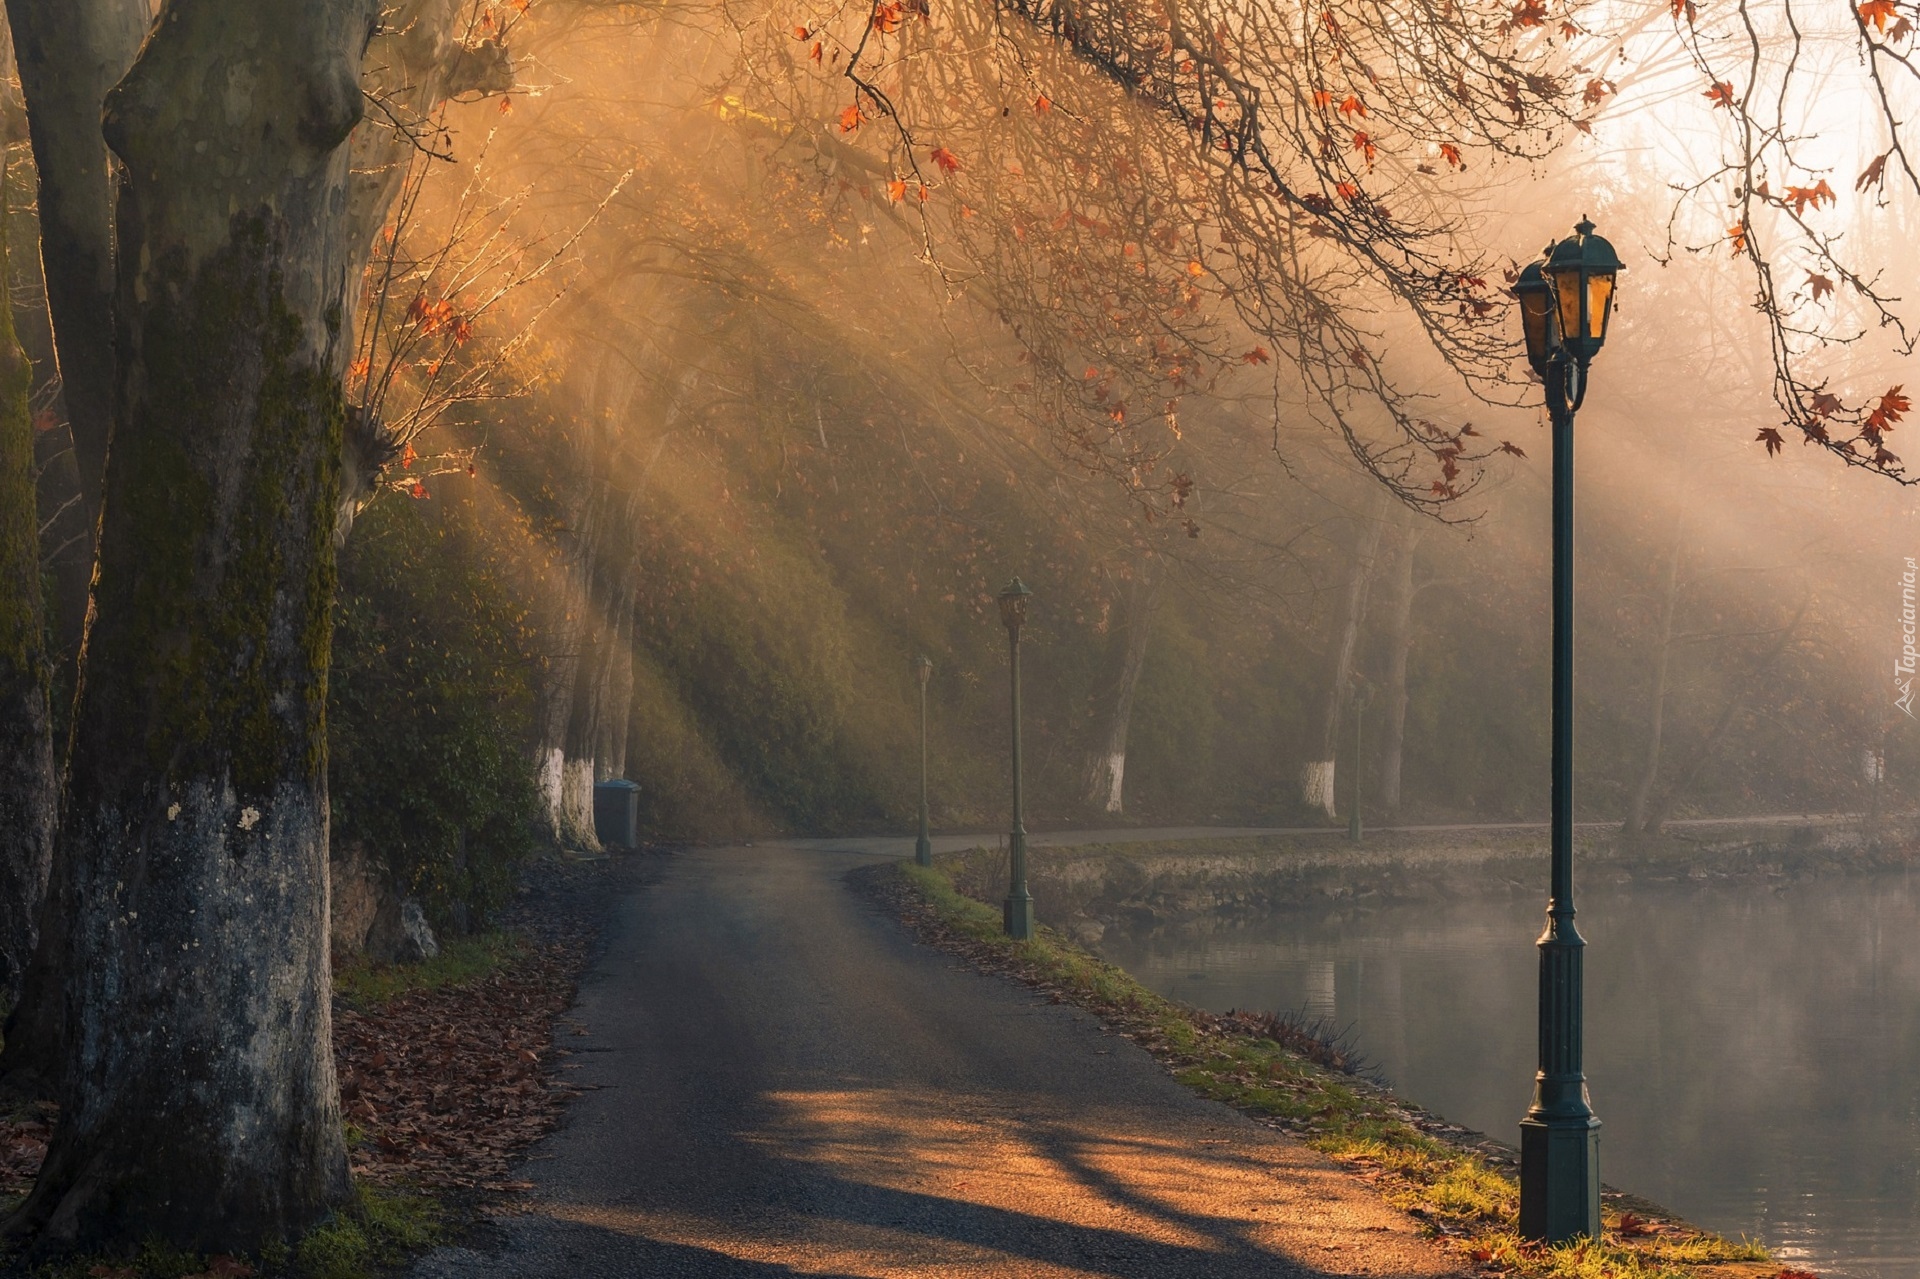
(1353, 106)
(1879, 13)
(946, 160)
(897, 190)
(1720, 93)
(1259, 355)
(1451, 154)
(1737, 237)
(1042, 104)
(850, 118)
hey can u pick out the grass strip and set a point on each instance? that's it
(1418, 1162)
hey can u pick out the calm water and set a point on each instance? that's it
(1753, 1052)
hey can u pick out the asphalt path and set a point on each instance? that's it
(780, 1080)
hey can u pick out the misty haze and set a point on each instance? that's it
(1057, 638)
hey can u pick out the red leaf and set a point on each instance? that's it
(948, 162)
(1771, 438)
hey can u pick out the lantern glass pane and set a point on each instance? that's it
(1599, 295)
(1536, 315)
(1566, 287)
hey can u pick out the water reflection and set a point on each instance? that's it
(1754, 1049)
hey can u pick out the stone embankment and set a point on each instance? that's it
(1093, 887)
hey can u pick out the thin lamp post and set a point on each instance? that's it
(1565, 302)
(1017, 916)
(923, 846)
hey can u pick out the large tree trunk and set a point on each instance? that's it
(1317, 776)
(1393, 736)
(69, 53)
(1107, 770)
(28, 781)
(198, 1097)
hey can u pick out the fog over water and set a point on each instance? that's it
(1749, 1046)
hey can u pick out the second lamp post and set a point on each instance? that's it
(1018, 914)
(1565, 300)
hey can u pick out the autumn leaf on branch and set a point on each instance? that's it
(1451, 154)
(1819, 285)
(1508, 446)
(1042, 104)
(897, 190)
(1879, 13)
(946, 160)
(1259, 355)
(1771, 438)
(850, 118)
(1353, 106)
(1737, 237)
(1892, 407)
(1720, 94)
(1816, 195)
(1875, 174)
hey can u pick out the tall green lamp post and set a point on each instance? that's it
(1565, 301)
(1018, 914)
(923, 846)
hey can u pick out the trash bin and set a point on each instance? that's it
(616, 813)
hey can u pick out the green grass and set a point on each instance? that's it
(461, 960)
(383, 1226)
(1455, 1192)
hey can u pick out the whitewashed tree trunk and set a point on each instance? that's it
(1317, 776)
(1107, 768)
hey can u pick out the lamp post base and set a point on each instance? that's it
(1559, 1178)
(923, 851)
(1017, 914)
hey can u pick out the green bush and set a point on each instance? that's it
(431, 710)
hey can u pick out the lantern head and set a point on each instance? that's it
(924, 665)
(1537, 315)
(1581, 271)
(1013, 605)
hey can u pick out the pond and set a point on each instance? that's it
(1752, 1049)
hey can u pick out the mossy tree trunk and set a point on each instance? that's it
(198, 1098)
(28, 782)
(69, 53)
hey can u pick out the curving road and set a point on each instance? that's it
(783, 1082)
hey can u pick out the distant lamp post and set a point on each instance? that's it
(1018, 914)
(1565, 302)
(923, 847)
(1362, 694)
